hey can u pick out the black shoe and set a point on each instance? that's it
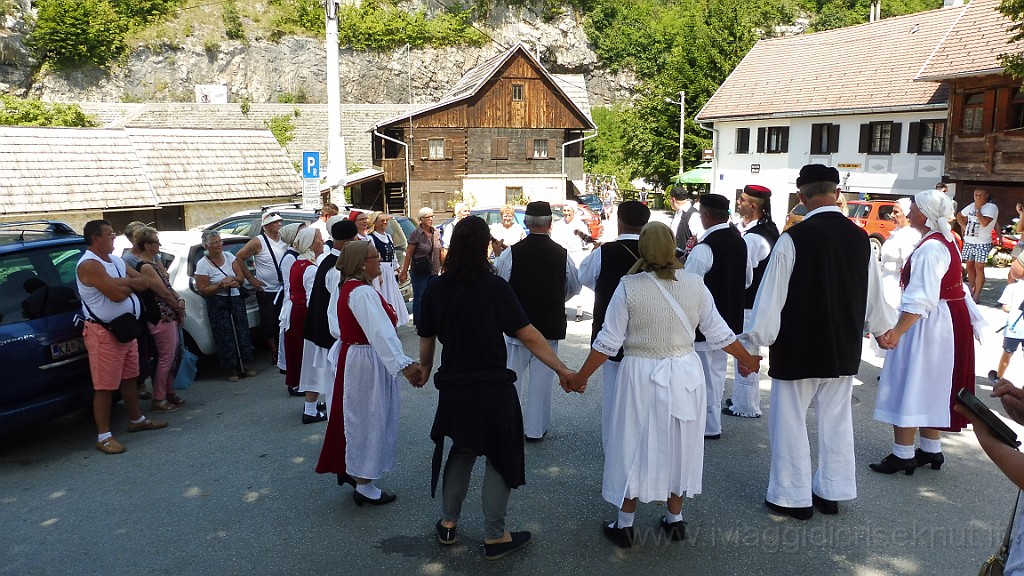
(728, 402)
(502, 549)
(676, 531)
(321, 407)
(385, 498)
(798, 513)
(728, 412)
(445, 535)
(923, 458)
(993, 375)
(579, 317)
(824, 505)
(712, 436)
(622, 537)
(532, 440)
(295, 391)
(346, 479)
(892, 464)
(307, 419)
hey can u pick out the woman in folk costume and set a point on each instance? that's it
(288, 235)
(931, 348)
(368, 355)
(896, 251)
(387, 282)
(308, 245)
(656, 443)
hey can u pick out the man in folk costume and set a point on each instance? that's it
(820, 292)
(601, 271)
(720, 258)
(528, 268)
(760, 234)
(686, 221)
(315, 376)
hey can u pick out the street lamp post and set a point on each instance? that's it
(682, 119)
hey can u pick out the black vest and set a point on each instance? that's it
(386, 249)
(727, 277)
(769, 232)
(683, 232)
(616, 259)
(822, 322)
(538, 279)
(316, 329)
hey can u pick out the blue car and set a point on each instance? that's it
(40, 337)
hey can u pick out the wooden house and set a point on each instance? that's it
(986, 112)
(507, 132)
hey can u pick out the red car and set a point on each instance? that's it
(875, 217)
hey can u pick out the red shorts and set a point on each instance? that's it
(110, 361)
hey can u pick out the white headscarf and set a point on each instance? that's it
(938, 209)
(303, 242)
(904, 205)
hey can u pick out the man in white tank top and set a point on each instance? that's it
(107, 289)
(266, 249)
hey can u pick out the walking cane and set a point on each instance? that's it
(234, 333)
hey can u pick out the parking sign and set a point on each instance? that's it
(311, 165)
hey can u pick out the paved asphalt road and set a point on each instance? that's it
(229, 488)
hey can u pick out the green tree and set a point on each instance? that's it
(1013, 60)
(34, 112)
(604, 154)
(233, 27)
(140, 12)
(75, 32)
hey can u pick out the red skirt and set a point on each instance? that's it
(332, 455)
(293, 344)
(963, 360)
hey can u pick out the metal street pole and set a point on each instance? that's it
(682, 120)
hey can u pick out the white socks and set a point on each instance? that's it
(104, 436)
(368, 490)
(625, 519)
(931, 446)
(673, 518)
(904, 452)
(310, 409)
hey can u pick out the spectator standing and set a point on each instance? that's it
(422, 257)
(461, 210)
(330, 210)
(895, 252)
(1012, 301)
(225, 307)
(601, 271)
(147, 360)
(686, 220)
(814, 319)
(107, 289)
(266, 250)
(508, 231)
(720, 259)
(387, 282)
(977, 220)
(544, 278)
(759, 234)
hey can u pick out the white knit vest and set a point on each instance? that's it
(654, 330)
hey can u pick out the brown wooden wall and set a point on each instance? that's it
(438, 194)
(996, 154)
(488, 145)
(454, 163)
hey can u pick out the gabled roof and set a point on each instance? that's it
(67, 169)
(858, 69)
(475, 79)
(973, 44)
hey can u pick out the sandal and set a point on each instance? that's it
(164, 406)
(175, 399)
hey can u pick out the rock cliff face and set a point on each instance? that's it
(261, 71)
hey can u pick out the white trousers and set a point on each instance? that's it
(609, 376)
(714, 363)
(535, 399)
(790, 482)
(746, 390)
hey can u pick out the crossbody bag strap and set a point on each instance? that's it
(132, 297)
(221, 271)
(273, 257)
(1005, 549)
(688, 328)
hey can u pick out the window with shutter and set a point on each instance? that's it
(894, 137)
(777, 140)
(931, 137)
(436, 149)
(880, 140)
(974, 114)
(743, 140)
(760, 139)
(1015, 116)
(499, 148)
(540, 148)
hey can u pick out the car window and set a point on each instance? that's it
(241, 227)
(885, 212)
(52, 266)
(858, 210)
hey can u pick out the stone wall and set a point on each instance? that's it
(204, 213)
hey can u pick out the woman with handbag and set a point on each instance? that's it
(387, 282)
(170, 314)
(225, 306)
(659, 405)
(422, 258)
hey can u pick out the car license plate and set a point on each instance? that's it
(67, 348)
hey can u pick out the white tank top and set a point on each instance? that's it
(266, 271)
(104, 308)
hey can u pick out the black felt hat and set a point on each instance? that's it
(715, 202)
(633, 213)
(539, 208)
(812, 173)
(343, 230)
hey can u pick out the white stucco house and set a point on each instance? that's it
(845, 98)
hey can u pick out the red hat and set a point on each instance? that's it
(757, 191)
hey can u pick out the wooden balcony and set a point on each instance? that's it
(394, 169)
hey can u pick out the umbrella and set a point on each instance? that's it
(699, 175)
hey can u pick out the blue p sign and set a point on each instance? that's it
(311, 165)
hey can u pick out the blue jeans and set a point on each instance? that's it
(419, 284)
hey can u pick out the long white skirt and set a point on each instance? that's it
(914, 388)
(656, 433)
(372, 399)
(387, 285)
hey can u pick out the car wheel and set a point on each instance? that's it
(204, 360)
(876, 245)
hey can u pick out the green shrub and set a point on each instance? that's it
(233, 27)
(34, 112)
(281, 127)
(75, 32)
(138, 12)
